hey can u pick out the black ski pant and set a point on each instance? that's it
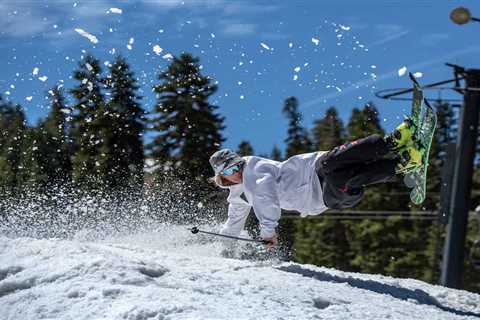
(345, 170)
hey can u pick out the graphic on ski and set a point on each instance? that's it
(424, 119)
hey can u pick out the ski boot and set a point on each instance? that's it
(410, 158)
(402, 144)
(401, 136)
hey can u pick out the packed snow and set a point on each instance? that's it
(172, 274)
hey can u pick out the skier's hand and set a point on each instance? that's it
(272, 242)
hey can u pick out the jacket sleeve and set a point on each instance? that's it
(238, 211)
(266, 205)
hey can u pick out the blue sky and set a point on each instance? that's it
(323, 52)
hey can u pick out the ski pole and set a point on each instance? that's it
(195, 230)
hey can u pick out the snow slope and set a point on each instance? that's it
(152, 277)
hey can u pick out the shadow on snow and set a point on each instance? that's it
(397, 292)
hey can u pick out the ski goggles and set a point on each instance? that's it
(231, 170)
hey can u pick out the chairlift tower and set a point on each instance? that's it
(456, 190)
(457, 184)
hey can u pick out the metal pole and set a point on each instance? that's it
(453, 259)
(195, 230)
(446, 181)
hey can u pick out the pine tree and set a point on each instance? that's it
(189, 129)
(364, 122)
(89, 106)
(54, 149)
(13, 124)
(245, 149)
(19, 167)
(297, 138)
(328, 132)
(31, 177)
(123, 130)
(276, 154)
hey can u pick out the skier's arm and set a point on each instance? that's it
(237, 215)
(266, 206)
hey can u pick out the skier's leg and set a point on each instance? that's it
(340, 198)
(375, 172)
(336, 194)
(356, 152)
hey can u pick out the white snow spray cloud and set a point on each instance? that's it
(160, 217)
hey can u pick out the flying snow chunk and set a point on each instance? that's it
(295, 77)
(316, 41)
(402, 71)
(266, 47)
(212, 35)
(35, 71)
(418, 74)
(290, 45)
(115, 10)
(130, 42)
(157, 49)
(87, 35)
(29, 98)
(168, 56)
(43, 79)
(297, 69)
(346, 28)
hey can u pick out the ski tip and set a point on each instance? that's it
(428, 104)
(414, 80)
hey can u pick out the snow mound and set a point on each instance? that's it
(132, 278)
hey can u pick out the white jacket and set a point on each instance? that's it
(269, 186)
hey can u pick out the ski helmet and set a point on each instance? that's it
(223, 159)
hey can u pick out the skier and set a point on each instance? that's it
(310, 183)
